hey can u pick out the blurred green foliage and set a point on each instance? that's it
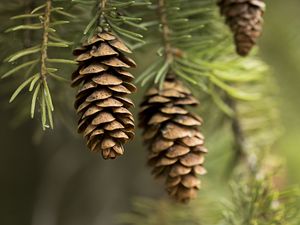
(280, 49)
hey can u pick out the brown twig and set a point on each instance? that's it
(101, 8)
(103, 4)
(239, 139)
(44, 47)
(165, 30)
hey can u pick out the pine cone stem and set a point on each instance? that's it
(103, 4)
(165, 30)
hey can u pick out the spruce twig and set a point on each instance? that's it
(37, 63)
(239, 153)
(165, 31)
(45, 39)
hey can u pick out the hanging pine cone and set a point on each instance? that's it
(101, 102)
(245, 19)
(176, 150)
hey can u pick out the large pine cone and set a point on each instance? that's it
(245, 18)
(176, 150)
(101, 102)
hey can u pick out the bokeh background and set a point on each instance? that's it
(51, 179)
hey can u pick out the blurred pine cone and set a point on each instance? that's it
(101, 102)
(176, 150)
(245, 19)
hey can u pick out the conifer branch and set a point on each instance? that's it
(44, 47)
(101, 15)
(238, 136)
(103, 4)
(180, 31)
(37, 63)
(165, 30)
(256, 201)
(111, 15)
(255, 126)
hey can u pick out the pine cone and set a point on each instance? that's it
(245, 19)
(101, 102)
(176, 150)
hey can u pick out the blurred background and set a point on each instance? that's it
(52, 179)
